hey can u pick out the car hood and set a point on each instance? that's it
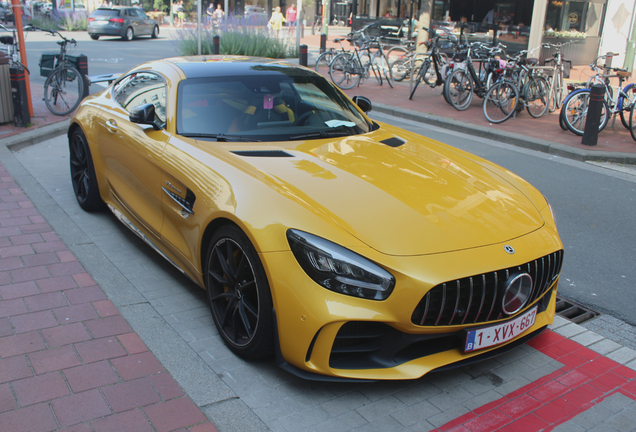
(399, 195)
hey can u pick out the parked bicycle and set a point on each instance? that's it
(349, 69)
(316, 27)
(575, 107)
(324, 59)
(430, 71)
(64, 86)
(556, 73)
(9, 38)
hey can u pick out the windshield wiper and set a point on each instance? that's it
(220, 137)
(321, 134)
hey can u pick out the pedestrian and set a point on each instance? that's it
(210, 13)
(219, 14)
(276, 21)
(175, 13)
(181, 13)
(291, 15)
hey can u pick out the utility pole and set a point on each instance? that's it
(630, 51)
(17, 16)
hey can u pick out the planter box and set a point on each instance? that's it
(582, 51)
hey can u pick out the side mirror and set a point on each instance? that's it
(144, 114)
(364, 103)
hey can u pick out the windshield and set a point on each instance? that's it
(267, 107)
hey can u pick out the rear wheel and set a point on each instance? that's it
(129, 35)
(416, 78)
(400, 69)
(239, 294)
(323, 61)
(83, 175)
(632, 122)
(536, 95)
(500, 102)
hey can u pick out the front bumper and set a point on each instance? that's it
(342, 337)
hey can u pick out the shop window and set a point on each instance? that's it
(576, 17)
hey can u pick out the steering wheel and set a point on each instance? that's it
(303, 117)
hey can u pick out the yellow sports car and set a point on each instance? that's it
(346, 248)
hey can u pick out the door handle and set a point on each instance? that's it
(111, 125)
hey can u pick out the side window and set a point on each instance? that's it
(141, 14)
(142, 88)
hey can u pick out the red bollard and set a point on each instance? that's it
(302, 56)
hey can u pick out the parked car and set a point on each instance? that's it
(126, 22)
(6, 13)
(347, 247)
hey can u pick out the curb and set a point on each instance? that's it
(34, 136)
(543, 146)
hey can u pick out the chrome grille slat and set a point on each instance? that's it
(470, 299)
(438, 307)
(441, 309)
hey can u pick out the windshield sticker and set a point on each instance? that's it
(337, 123)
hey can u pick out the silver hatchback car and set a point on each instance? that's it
(126, 22)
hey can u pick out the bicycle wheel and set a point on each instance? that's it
(500, 102)
(63, 90)
(415, 79)
(632, 123)
(575, 113)
(459, 88)
(428, 74)
(344, 71)
(386, 70)
(626, 105)
(400, 69)
(323, 61)
(396, 53)
(536, 95)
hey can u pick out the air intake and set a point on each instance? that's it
(393, 142)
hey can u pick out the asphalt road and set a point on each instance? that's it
(595, 207)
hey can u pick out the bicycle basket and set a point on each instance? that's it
(47, 63)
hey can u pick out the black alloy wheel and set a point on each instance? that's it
(83, 174)
(239, 294)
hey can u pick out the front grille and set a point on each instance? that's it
(477, 299)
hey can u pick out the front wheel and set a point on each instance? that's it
(63, 90)
(323, 61)
(536, 94)
(416, 78)
(386, 70)
(575, 113)
(400, 69)
(459, 89)
(155, 32)
(345, 71)
(500, 102)
(94, 36)
(239, 294)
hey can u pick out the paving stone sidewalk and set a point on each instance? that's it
(68, 360)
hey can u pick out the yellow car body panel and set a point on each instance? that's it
(424, 211)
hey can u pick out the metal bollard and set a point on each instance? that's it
(82, 68)
(216, 43)
(302, 56)
(21, 117)
(593, 119)
(323, 43)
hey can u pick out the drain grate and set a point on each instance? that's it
(574, 311)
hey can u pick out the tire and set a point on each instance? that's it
(63, 90)
(500, 102)
(626, 105)
(575, 113)
(129, 35)
(400, 69)
(396, 53)
(341, 71)
(429, 76)
(83, 175)
(415, 79)
(459, 89)
(155, 32)
(536, 96)
(94, 37)
(632, 122)
(323, 61)
(239, 294)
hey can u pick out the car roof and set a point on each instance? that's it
(224, 65)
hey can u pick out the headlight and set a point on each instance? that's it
(551, 210)
(339, 269)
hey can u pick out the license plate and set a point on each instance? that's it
(500, 333)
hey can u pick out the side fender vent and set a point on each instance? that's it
(262, 153)
(393, 142)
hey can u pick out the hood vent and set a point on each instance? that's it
(393, 142)
(262, 153)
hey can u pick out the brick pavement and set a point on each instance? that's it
(67, 357)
